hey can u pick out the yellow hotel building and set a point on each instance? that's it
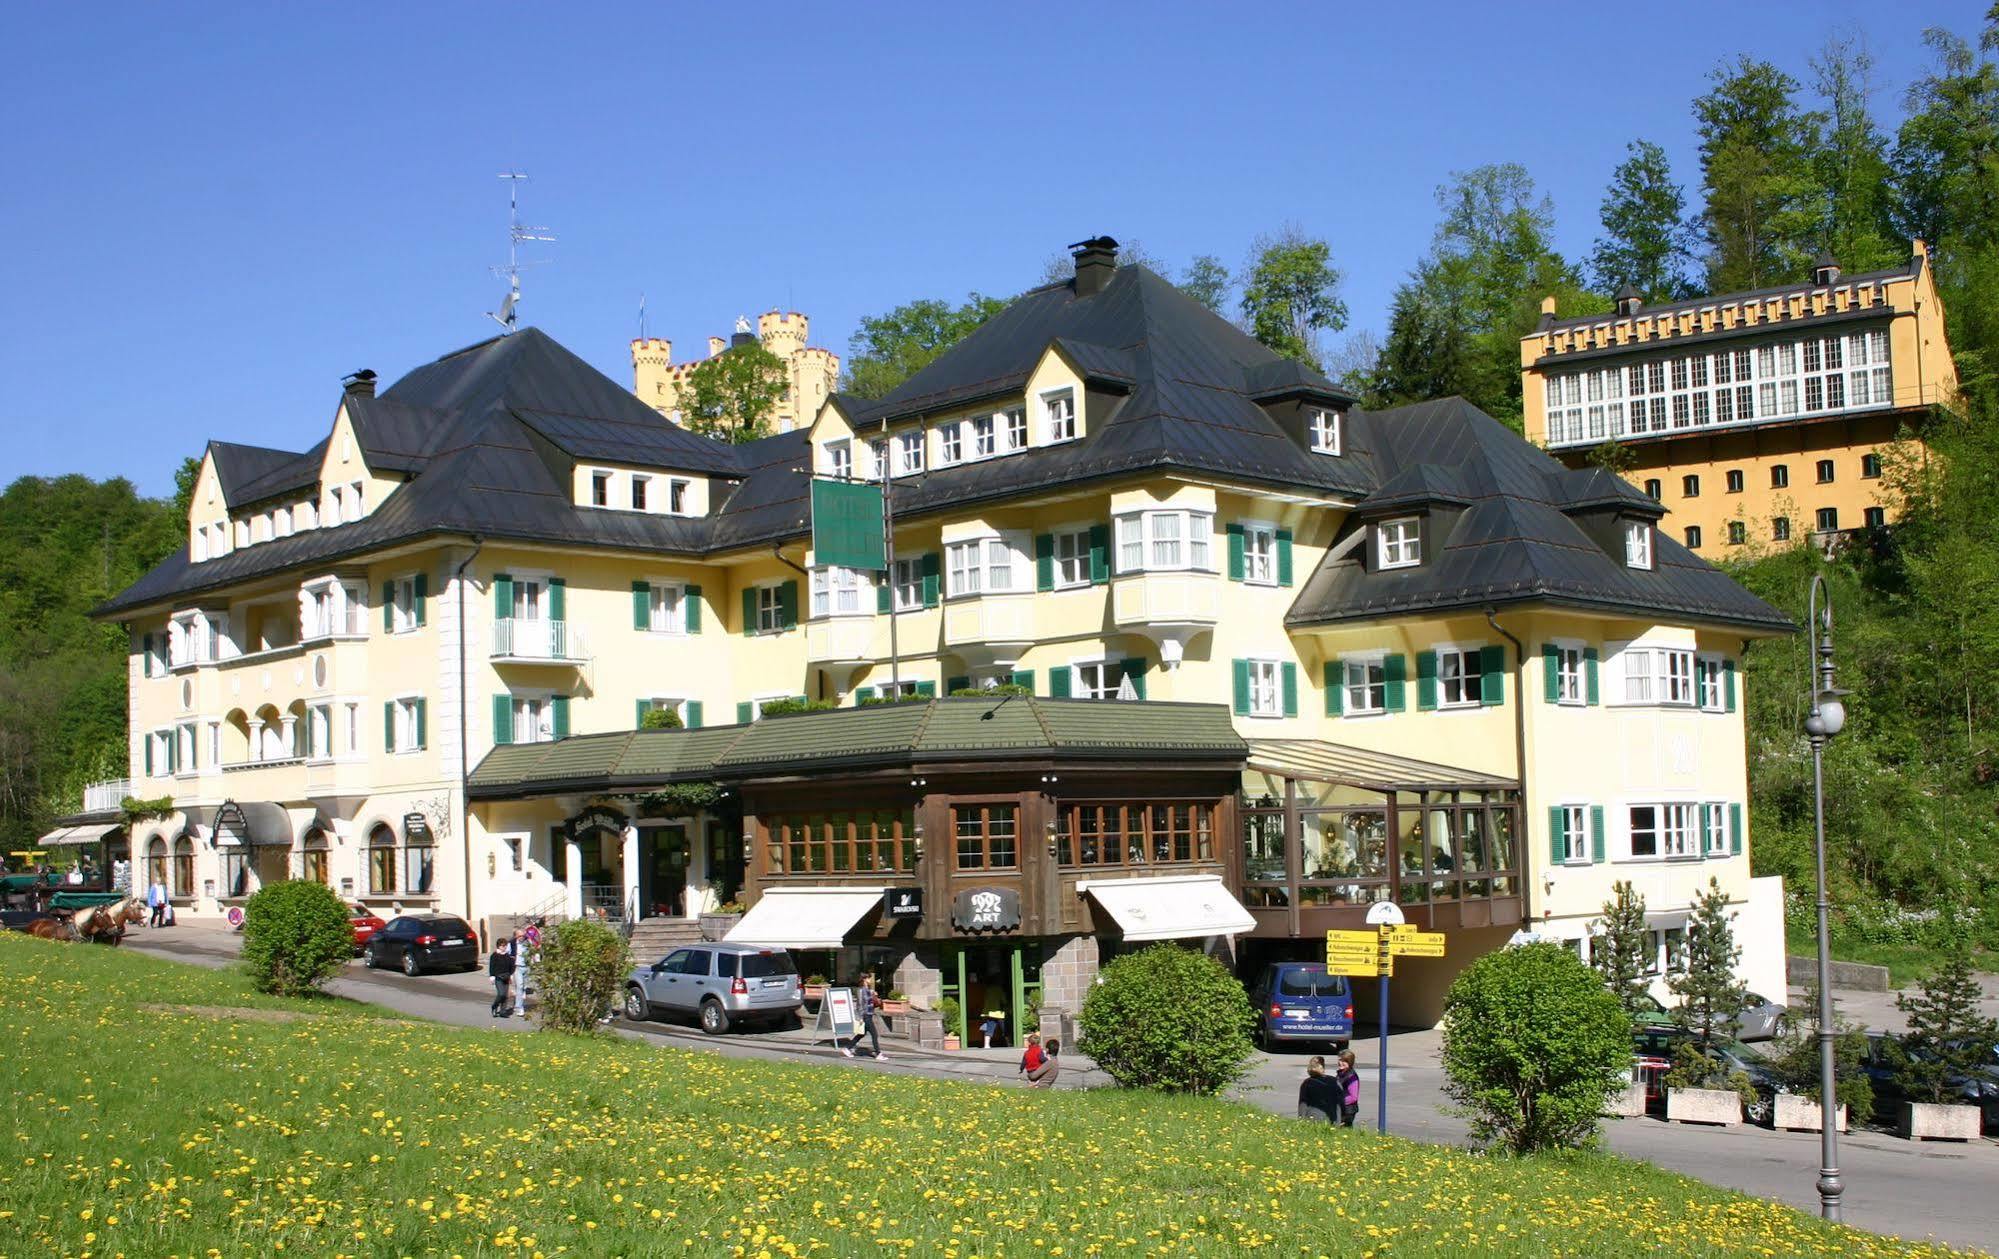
(1758, 419)
(1277, 659)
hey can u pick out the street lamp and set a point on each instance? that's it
(1828, 717)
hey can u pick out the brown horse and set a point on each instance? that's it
(106, 923)
(57, 928)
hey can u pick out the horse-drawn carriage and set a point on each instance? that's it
(39, 906)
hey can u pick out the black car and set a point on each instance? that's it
(1653, 1047)
(1883, 1066)
(418, 944)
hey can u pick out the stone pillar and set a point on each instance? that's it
(630, 853)
(920, 975)
(1066, 976)
(256, 739)
(574, 885)
(289, 733)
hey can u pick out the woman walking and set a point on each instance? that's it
(527, 949)
(866, 1004)
(501, 967)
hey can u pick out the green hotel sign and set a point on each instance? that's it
(847, 524)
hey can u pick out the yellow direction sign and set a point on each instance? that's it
(1350, 939)
(1417, 944)
(1354, 967)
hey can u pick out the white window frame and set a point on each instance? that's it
(1080, 687)
(985, 436)
(906, 585)
(770, 607)
(531, 596)
(678, 490)
(841, 592)
(1058, 415)
(199, 545)
(319, 731)
(1466, 679)
(1575, 834)
(1709, 688)
(1676, 830)
(214, 729)
(1638, 544)
(1323, 426)
(990, 564)
(599, 491)
(356, 501)
(353, 717)
(757, 702)
(533, 716)
(187, 747)
(1571, 680)
(1072, 557)
(1266, 686)
(162, 741)
(639, 491)
(1190, 533)
(1259, 553)
(950, 443)
(677, 703)
(879, 454)
(1364, 685)
(1399, 542)
(909, 452)
(1013, 430)
(1715, 843)
(666, 606)
(839, 459)
(402, 605)
(404, 724)
(1655, 676)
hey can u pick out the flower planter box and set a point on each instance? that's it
(1801, 1114)
(716, 926)
(1627, 1103)
(1925, 1121)
(1710, 1106)
(892, 1008)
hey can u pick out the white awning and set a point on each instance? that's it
(75, 836)
(1170, 907)
(805, 917)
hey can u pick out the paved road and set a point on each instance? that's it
(1892, 1186)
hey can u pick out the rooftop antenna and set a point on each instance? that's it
(517, 234)
(642, 316)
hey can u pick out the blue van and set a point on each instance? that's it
(1298, 1001)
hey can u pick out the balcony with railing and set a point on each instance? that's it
(107, 796)
(521, 641)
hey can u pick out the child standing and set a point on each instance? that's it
(1349, 1082)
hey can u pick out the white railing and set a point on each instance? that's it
(517, 639)
(107, 796)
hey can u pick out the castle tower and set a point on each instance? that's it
(813, 372)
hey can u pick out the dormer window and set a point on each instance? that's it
(984, 439)
(200, 545)
(840, 459)
(640, 485)
(1016, 429)
(600, 491)
(878, 452)
(951, 442)
(1399, 542)
(1059, 415)
(1637, 544)
(676, 496)
(1323, 425)
(909, 453)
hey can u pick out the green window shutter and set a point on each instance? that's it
(1596, 833)
(388, 606)
(503, 595)
(744, 713)
(927, 690)
(1492, 675)
(422, 597)
(560, 703)
(503, 719)
(1426, 681)
(1289, 673)
(1044, 561)
(953, 685)
(1058, 682)
(749, 609)
(885, 591)
(861, 693)
(932, 587)
(1728, 684)
(1241, 687)
(389, 725)
(641, 605)
(1551, 673)
(1100, 554)
(146, 660)
(1023, 677)
(558, 599)
(787, 604)
(422, 722)
(1134, 669)
(1335, 687)
(1283, 557)
(1589, 675)
(1394, 683)
(1557, 851)
(693, 714)
(1236, 566)
(1700, 843)
(1735, 830)
(690, 606)
(639, 717)
(149, 755)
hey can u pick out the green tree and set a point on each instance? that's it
(1645, 241)
(1427, 354)
(582, 974)
(185, 477)
(1620, 949)
(1291, 293)
(1760, 216)
(1948, 1039)
(1168, 1018)
(1712, 997)
(1795, 1058)
(734, 394)
(1208, 282)
(296, 936)
(890, 348)
(1533, 1048)
(1946, 156)
(1851, 162)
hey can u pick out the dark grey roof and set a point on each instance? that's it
(1514, 530)
(1902, 272)
(249, 474)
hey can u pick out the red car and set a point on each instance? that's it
(365, 925)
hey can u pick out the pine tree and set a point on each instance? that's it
(1621, 947)
(1852, 163)
(1712, 997)
(1948, 1039)
(1645, 241)
(1760, 216)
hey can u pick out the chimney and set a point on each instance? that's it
(1825, 271)
(1628, 301)
(359, 384)
(1096, 262)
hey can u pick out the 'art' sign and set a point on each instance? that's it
(986, 909)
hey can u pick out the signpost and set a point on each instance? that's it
(836, 1016)
(1363, 953)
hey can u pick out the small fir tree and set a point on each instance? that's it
(1620, 949)
(1712, 997)
(1796, 1058)
(1948, 1039)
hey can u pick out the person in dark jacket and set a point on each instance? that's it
(1318, 1093)
(501, 967)
(1044, 1075)
(1349, 1082)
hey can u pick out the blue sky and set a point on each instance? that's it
(211, 213)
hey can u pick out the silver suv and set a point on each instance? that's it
(719, 984)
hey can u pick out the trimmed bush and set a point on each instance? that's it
(1534, 1046)
(1171, 1019)
(296, 936)
(581, 975)
(660, 719)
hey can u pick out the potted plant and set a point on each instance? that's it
(951, 1011)
(1796, 1065)
(715, 923)
(896, 1002)
(1941, 1060)
(815, 987)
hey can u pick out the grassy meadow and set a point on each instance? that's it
(165, 1110)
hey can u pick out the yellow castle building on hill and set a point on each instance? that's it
(1758, 419)
(812, 371)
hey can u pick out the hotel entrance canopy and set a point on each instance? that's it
(805, 917)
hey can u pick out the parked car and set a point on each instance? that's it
(1762, 1019)
(1302, 1001)
(421, 943)
(720, 984)
(365, 925)
(1653, 1051)
(1883, 1062)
